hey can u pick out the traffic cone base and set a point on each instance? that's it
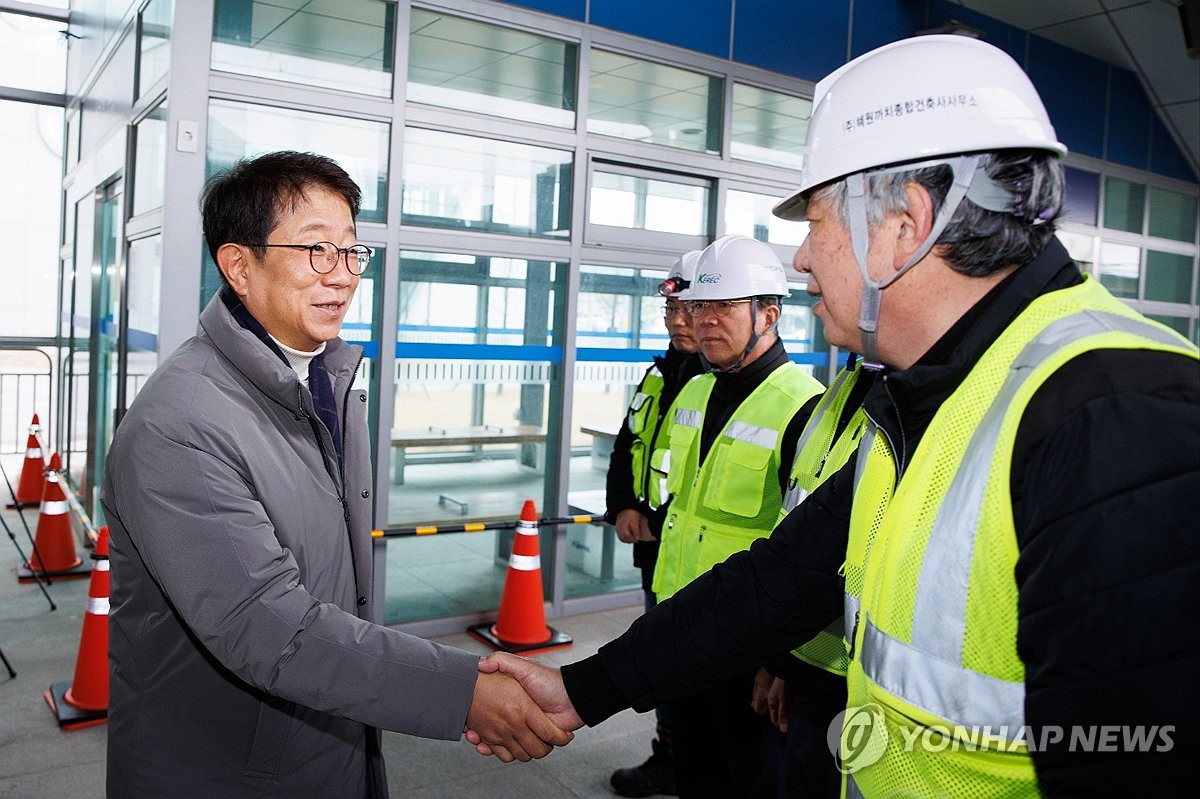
(27, 574)
(486, 632)
(521, 623)
(71, 717)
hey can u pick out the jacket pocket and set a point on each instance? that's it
(266, 755)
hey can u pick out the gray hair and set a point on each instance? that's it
(977, 241)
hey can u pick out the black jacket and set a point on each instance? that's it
(676, 369)
(1105, 485)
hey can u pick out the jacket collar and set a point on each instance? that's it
(242, 339)
(903, 402)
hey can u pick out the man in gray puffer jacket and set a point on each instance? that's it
(237, 492)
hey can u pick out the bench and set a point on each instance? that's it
(602, 445)
(473, 436)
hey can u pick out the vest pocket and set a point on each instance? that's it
(738, 481)
(639, 412)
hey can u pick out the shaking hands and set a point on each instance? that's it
(520, 709)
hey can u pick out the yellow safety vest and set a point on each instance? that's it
(720, 507)
(934, 658)
(818, 456)
(650, 429)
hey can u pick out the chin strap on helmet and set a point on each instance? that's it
(964, 168)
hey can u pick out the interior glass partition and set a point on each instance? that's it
(345, 46)
(476, 384)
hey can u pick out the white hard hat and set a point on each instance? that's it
(737, 266)
(914, 100)
(679, 280)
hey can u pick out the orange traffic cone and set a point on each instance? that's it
(83, 702)
(521, 624)
(54, 544)
(33, 471)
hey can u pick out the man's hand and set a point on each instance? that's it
(543, 684)
(770, 696)
(505, 719)
(632, 526)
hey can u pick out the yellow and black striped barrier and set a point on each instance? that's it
(476, 527)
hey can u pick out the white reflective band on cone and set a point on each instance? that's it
(525, 563)
(97, 605)
(101, 565)
(33, 452)
(54, 507)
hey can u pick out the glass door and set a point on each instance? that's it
(108, 353)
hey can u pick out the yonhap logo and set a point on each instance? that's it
(857, 737)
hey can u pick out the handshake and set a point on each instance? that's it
(520, 709)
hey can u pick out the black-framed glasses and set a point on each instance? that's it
(669, 310)
(720, 308)
(323, 256)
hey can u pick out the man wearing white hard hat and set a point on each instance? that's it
(636, 494)
(732, 443)
(1014, 544)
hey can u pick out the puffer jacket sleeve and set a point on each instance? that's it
(732, 619)
(186, 497)
(1106, 490)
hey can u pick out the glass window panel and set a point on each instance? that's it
(155, 44)
(1080, 247)
(358, 326)
(337, 44)
(1124, 204)
(1169, 276)
(31, 159)
(1081, 202)
(634, 99)
(459, 181)
(750, 214)
(144, 283)
(237, 130)
(487, 69)
(149, 164)
(470, 421)
(631, 201)
(1120, 265)
(1172, 215)
(619, 319)
(33, 53)
(768, 127)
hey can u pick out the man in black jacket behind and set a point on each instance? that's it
(636, 499)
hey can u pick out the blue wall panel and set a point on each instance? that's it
(701, 25)
(1073, 87)
(878, 22)
(1165, 158)
(1010, 39)
(573, 9)
(1129, 116)
(804, 38)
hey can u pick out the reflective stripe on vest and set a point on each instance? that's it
(686, 417)
(756, 436)
(928, 672)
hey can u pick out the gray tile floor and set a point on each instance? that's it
(38, 760)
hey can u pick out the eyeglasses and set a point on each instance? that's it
(670, 310)
(323, 256)
(719, 308)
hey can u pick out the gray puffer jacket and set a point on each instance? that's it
(242, 659)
